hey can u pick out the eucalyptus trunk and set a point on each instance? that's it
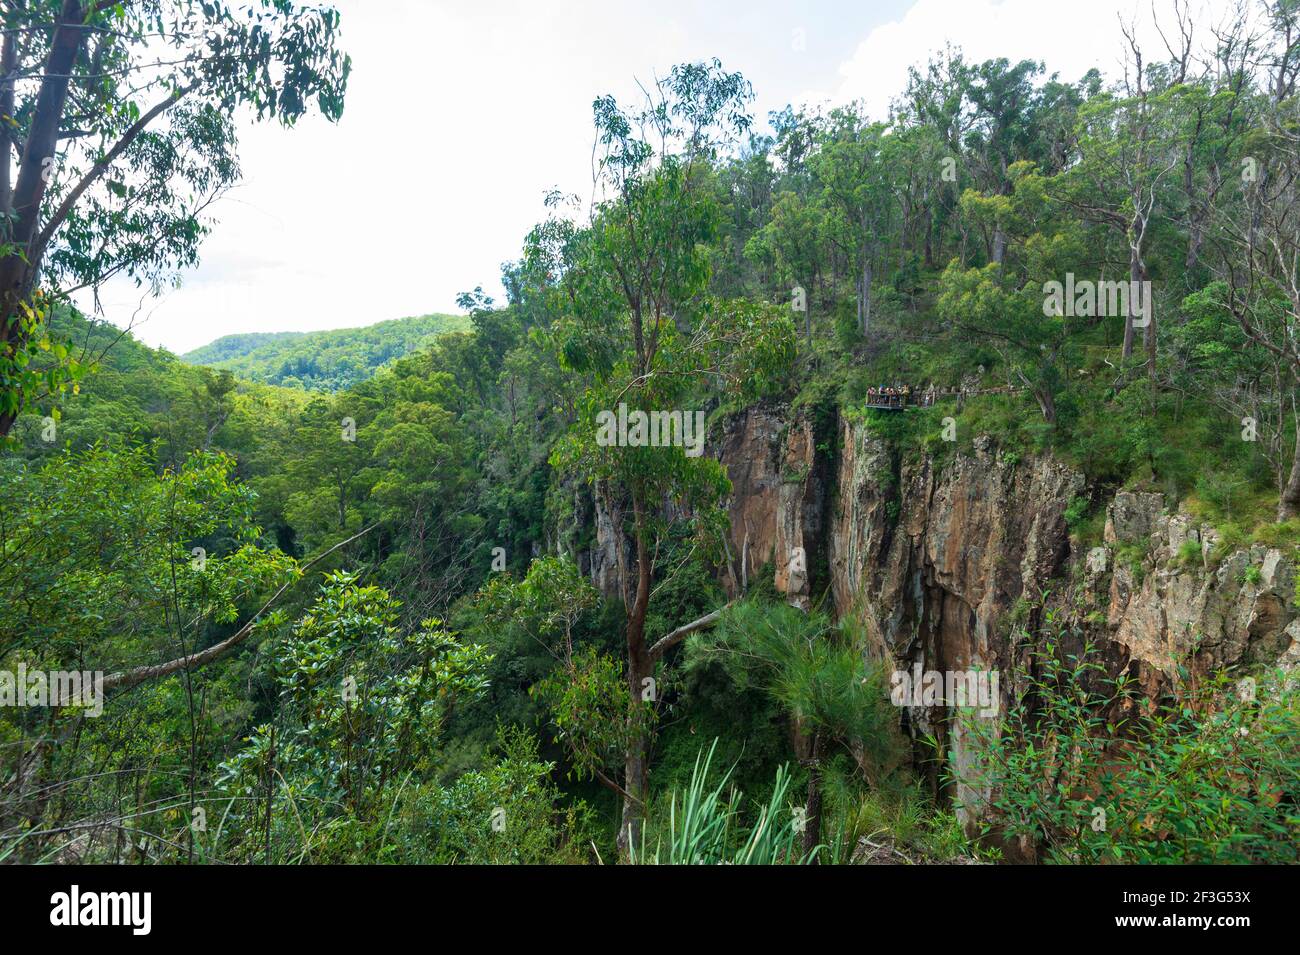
(640, 666)
(1288, 505)
(812, 833)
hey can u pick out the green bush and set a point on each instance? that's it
(1203, 777)
(509, 813)
(1220, 490)
(1189, 552)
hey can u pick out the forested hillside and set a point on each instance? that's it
(328, 360)
(1014, 367)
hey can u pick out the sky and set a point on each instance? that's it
(461, 116)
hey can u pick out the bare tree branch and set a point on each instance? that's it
(666, 643)
(130, 678)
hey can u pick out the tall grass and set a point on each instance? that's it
(704, 826)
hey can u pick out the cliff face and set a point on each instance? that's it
(933, 559)
(780, 488)
(936, 559)
(1239, 611)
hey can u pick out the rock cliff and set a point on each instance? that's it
(939, 559)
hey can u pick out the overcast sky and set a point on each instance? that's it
(460, 116)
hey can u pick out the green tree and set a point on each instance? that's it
(822, 679)
(856, 193)
(1128, 152)
(644, 329)
(121, 118)
(107, 565)
(363, 703)
(792, 239)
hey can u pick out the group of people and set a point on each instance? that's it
(901, 396)
(887, 395)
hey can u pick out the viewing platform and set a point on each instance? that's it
(900, 399)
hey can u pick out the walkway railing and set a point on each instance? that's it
(896, 399)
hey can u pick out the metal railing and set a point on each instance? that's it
(896, 399)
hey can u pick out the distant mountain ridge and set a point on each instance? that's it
(329, 360)
(235, 346)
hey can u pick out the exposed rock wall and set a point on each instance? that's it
(934, 559)
(1175, 605)
(750, 449)
(937, 559)
(780, 493)
(780, 488)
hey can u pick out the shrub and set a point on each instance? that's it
(510, 813)
(1076, 511)
(1202, 778)
(1189, 552)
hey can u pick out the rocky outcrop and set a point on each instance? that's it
(801, 513)
(931, 559)
(751, 451)
(780, 485)
(936, 559)
(610, 561)
(944, 562)
(1171, 603)
(778, 501)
